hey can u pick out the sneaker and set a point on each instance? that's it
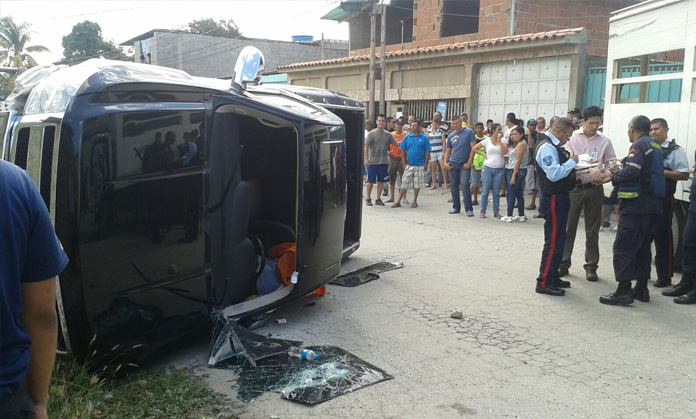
(520, 218)
(496, 215)
(454, 211)
(530, 207)
(469, 213)
(368, 202)
(614, 229)
(474, 202)
(506, 219)
(379, 202)
(482, 214)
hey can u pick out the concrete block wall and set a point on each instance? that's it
(209, 56)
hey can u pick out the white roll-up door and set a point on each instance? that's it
(530, 88)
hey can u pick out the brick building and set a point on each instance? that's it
(486, 57)
(213, 56)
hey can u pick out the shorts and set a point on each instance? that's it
(531, 179)
(378, 173)
(476, 178)
(396, 170)
(414, 178)
(435, 156)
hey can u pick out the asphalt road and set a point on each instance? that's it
(514, 354)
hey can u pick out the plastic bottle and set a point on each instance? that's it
(306, 354)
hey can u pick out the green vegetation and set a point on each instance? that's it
(77, 392)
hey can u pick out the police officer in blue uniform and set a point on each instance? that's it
(685, 290)
(641, 183)
(676, 169)
(556, 178)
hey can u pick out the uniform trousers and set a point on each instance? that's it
(554, 209)
(689, 249)
(664, 247)
(632, 253)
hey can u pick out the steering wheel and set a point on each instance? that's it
(260, 256)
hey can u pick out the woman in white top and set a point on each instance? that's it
(493, 168)
(515, 173)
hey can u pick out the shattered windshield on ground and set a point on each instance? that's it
(263, 365)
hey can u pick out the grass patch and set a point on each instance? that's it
(77, 393)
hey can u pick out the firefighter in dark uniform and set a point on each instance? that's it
(641, 183)
(556, 178)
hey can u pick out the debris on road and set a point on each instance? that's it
(365, 274)
(263, 364)
(457, 314)
(281, 321)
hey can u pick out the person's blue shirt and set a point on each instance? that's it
(415, 147)
(30, 253)
(547, 159)
(193, 150)
(676, 161)
(460, 143)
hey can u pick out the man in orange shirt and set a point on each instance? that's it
(396, 167)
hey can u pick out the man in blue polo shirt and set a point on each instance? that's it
(415, 155)
(30, 259)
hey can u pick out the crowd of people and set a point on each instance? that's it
(564, 165)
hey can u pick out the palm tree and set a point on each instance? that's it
(13, 44)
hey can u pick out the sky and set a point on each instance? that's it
(123, 20)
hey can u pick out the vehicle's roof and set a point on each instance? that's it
(51, 89)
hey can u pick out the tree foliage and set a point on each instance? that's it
(85, 41)
(14, 51)
(224, 28)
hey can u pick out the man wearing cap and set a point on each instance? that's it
(589, 192)
(415, 148)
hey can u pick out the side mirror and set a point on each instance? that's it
(248, 66)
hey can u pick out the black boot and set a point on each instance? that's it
(662, 282)
(640, 291)
(550, 288)
(688, 298)
(622, 295)
(684, 286)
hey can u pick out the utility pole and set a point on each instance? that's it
(383, 62)
(373, 35)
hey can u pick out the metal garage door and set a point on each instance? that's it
(530, 88)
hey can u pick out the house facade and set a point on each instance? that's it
(484, 57)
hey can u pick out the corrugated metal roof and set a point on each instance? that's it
(341, 15)
(481, 43)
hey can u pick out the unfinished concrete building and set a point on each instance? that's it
(485, 57)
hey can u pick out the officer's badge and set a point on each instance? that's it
(547, 160)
